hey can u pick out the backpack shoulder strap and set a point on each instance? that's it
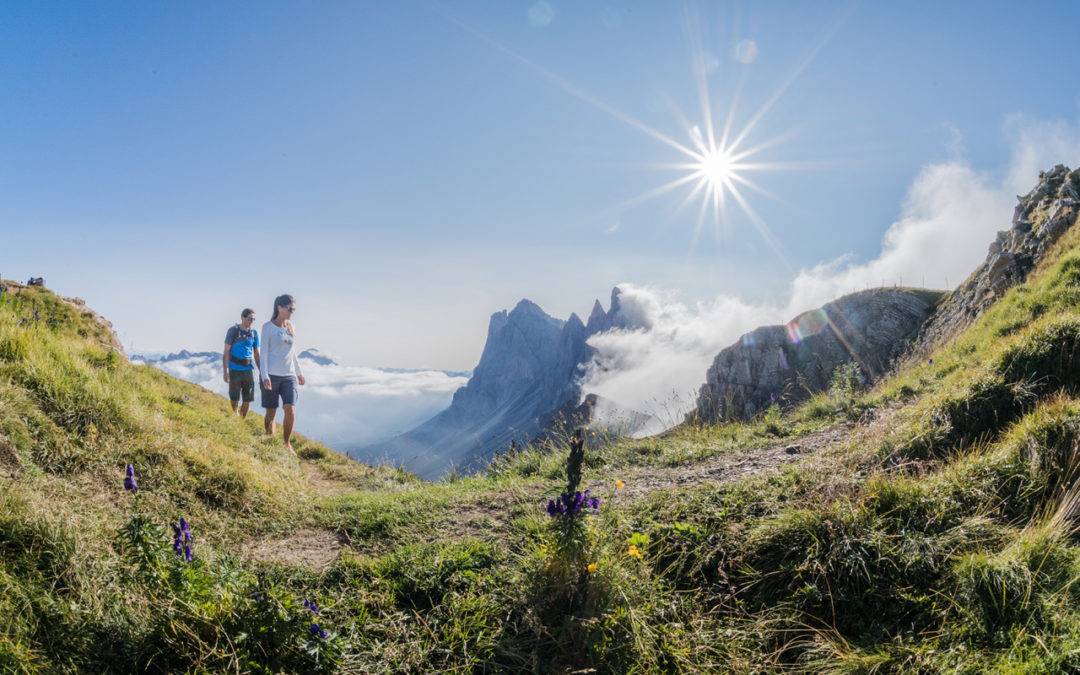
(238, 334)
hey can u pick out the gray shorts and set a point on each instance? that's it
(241, 383)
(284, 387)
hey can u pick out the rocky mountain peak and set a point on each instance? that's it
(527, 373)
(596, 320)
(526, 307)
(788, 363)
(520, 346)
(573, 324)
(1040, 218)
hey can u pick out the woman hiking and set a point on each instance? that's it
(281, 375)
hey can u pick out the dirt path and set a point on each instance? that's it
(723, 468)
(323, 484)
(310, 547)
(317, 548)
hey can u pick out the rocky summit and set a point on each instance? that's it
(527, 380)
(788, 363)
(1040, 218)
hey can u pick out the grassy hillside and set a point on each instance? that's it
(926, 525)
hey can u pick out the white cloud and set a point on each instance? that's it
(345, 406)
(656, 370)
(949, 217)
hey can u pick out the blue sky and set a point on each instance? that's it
(407, 168)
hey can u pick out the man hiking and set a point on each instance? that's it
(241, 351)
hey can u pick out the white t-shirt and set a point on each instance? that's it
(278, 351)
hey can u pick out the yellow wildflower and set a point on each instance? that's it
(592, 567)
(619, 483)
(634, 553)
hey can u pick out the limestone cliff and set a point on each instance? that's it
(1040, 218)
(788, 363)
(526, 381)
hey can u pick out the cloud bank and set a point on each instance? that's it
(345, 407)
(948, 218)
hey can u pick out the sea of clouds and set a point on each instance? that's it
(344, 407)
(949, 217)
(648, 377)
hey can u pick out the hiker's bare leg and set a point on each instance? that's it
(287, 424)
(244, 408)
(234, 404)
(268, 420)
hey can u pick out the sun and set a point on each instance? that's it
(717, 169)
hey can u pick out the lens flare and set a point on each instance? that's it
(746, 52)
(541, 14)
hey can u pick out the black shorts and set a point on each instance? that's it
(241, 382)
(283, 386)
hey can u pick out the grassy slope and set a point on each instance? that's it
(940, 538)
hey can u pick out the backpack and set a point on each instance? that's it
(238, 334)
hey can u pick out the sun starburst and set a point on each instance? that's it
(714, 166)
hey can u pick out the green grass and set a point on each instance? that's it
(943, 539)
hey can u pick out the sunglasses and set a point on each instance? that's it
(291, 308)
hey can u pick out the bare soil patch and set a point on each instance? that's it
(10, 466)
(323, 484)
(309, 547)
(726, 467)
(475, 521)
(314, 548)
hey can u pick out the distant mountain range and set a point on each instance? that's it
(183, 355)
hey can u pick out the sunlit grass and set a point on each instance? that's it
(940, 538)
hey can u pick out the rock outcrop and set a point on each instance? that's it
(878, 327)
(788, 363)
(1040, 218)
(525, 387)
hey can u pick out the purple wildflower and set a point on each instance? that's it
(177, 545)
(182, 540)
(772, 397)
(571, 505)
(129, 479)
(316, 631)
(255, 596)
(310, 604)
(931, 361)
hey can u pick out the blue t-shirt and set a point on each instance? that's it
(244, 343)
